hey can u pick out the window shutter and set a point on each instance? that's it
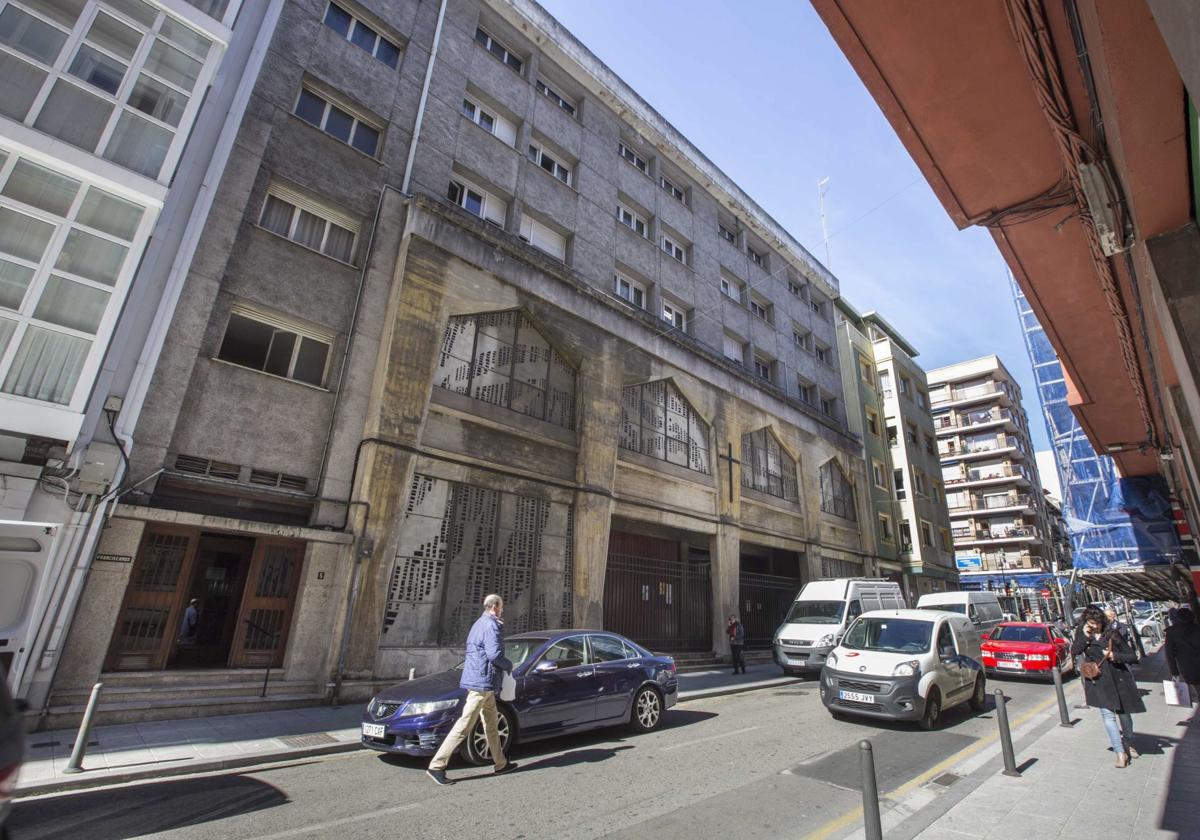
(299, 199)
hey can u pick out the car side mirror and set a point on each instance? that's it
(545, 667)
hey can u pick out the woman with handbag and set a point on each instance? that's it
(1108, 684)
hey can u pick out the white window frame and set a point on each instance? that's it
(885, 530)
(668, 186)
(816, 306)
(732, 289)
(540, 157)
(822, 353)
(501, 128)
(675, 315)
(879, 474)
(633, 220)
(630, 290)
(673, 249)
(633, 158)
(926, 530)
(357, 121)
(760, 309)
(534, 232)
(827, 406)
(866, 371)
(494, 210)
(804, 391)
(298, 202)
(762, 367)
(794, 289)
(555, 97)
(355, 21)
(505, 56)
(801, 339)
(756, 257)
(281, 324)
(725, 233)
(733, 343)
(872, 420)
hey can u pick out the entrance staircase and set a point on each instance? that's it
(135, 696)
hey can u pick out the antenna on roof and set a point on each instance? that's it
(822, 188)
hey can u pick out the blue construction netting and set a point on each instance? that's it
(1112, 521)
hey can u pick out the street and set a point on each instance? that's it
(769, 763)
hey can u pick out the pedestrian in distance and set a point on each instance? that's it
(737, 643)
(1120, 626)
(1108, 683)
(1182, 649)
(191, 619)
(482, 674)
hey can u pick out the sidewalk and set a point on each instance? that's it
(1069, 788)
(129, 752)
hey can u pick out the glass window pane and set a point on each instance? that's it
(388, 53)
(339, 123)
(170, 64)
(22, 81)
(310, 230)
(339, 243)
(110, 214)
(279, 359)
(73, 115)
(110, 34)
(65, 12)
(42, 188)
(136, 9)
(25, 33)
(363, 36)
(23, 236)
(366, 139)
(14, 280)
(246, 342)
(47, 365)
(91, 257)
(310, 362)
(212, 8)
(310, 107)
(277, 216)
(7, 328)
(139, 144)
(70, 304)
(337, 19)
(186, 37)
(98, 69)
(159, 101)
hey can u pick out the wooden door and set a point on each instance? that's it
(149, 620)
(266, 612)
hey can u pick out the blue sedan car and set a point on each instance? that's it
(567, 681)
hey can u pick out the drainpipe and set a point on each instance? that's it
(412, 147)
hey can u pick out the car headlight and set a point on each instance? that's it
(831, 660)
(907, 669)
(428, 708)
(825, 640)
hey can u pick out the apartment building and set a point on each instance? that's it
(911, 521)
(1000, 530)
(111, 114)
(466, 315)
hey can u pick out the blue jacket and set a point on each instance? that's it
(485, 662)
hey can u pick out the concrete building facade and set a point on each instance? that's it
(466, 315)
(992, 486)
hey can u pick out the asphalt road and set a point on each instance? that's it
(769, 763)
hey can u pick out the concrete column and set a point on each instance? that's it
(724, 548)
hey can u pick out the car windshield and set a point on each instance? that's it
(961, 609)
(1020, 634)
(815, 612)
(890, 635)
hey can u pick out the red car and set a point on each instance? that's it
(1018, 647)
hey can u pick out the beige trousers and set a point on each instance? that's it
(478, 703)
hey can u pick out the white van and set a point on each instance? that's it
(905, 665)
(822, 612)
(981, 608)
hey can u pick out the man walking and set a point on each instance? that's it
(1182, 650)
(482, 674)
(191, 619)
(737, 640)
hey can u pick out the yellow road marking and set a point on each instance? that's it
(850, 817)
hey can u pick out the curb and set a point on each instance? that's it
(190, 768)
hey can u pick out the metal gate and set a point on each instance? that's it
(655, 597)
(764, 601)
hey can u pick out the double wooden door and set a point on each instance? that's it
(245, 589)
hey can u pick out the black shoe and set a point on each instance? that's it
(508, 767)
(439, 777)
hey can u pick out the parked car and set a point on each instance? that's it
(12, 749)
(905, 665)
(982, 608)
(567, 681)
(821, 613)
(1029, 649)
(1150, 622)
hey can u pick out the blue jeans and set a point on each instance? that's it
(1115, 732)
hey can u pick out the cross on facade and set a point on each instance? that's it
(731, 461)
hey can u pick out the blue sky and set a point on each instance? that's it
(762, 89)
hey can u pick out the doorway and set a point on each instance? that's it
(217, 581)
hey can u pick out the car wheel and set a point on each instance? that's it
(475, 747)
(647, 710)
(933, 710)
(979, 695)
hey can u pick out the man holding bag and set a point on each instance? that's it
(1182, 650)
(482, 676)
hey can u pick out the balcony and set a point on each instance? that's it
(1001, 444)
(1011, 503)
(995, 536)
(984, 476)
(977, 419)
(975, 393)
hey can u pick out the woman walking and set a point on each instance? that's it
(1108, 684)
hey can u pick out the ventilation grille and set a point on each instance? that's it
(191, 465)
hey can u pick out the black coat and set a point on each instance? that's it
(1115, 689)
(1183, 651)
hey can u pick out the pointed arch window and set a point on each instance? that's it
(837, 493)
(503, 359)
(766, 467)
(657, 421)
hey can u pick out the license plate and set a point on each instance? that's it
(1001, 663)
(856, 697)
(374, 730)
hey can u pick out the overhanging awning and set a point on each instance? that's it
(1150, 583)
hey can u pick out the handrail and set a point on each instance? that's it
(274, 638)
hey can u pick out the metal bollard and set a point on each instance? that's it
(75, 765)
(412, 673)
(1064, 717)
(1006, 747)
(870, 792)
